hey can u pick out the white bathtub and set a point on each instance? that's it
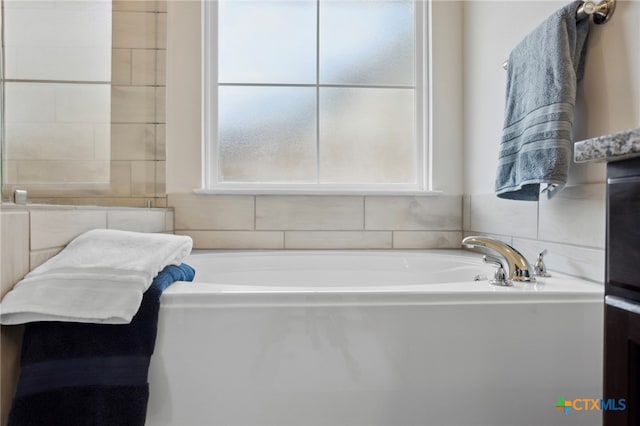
(372, 338)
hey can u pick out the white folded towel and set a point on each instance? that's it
(98, 278)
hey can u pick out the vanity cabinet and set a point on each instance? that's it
(623, 229)
(622, 365)
(622, 289)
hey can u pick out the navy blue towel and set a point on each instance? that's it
(90, 374)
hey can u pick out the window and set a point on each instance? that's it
(315, 95)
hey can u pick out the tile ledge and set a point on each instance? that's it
(13, 207)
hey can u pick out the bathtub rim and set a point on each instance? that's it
(560, 288)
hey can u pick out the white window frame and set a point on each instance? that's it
(424, 148)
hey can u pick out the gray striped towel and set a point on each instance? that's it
(543, 71)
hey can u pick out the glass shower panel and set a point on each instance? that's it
(365, 42)
(58, 40)
(367, 135)
(57, 133)
(57, 94)
(267, 134)
(2, 166)
(267, 41)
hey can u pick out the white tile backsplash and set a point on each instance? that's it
(133, 141)
(72, 63)
(120, 178)
(235, 239)
(466, 211)
(134, 5)
(14, 244)
(400, 222)
(62, 40)
(169, 219)
(161, 31)
(507, 239)
(341, 240)
(50, 141)
(413, 213)
(142, 220)
(83, 103)
(321, 222)
(38, 257)
(504, 217)
(143, 180)
(427, 239)
(121, 66)
(55, 228)
(569, 259)
(29, 102)
(143, 67)
(134, 30)
(576, 216)
(313, 213)
(202, 212)
(160, 115)
(64, 172)
(161, 67)
(571, 226)
(72, 122)
(133, 104)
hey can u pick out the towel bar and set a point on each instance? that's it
(600, 10)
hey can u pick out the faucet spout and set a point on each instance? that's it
(519, 268)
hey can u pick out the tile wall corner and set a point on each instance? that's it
(571, 226)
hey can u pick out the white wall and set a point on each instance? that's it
(447, 69)
(608, 101)
(183, 96)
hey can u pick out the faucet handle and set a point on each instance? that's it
(500, 277)
(539, 267)
(491, 260)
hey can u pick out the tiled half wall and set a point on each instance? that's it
(32, 235)
(318, 221)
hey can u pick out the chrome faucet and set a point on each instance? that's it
(519, 268)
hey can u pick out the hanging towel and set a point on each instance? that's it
(98, 278)
(543, 71)
(90, 374)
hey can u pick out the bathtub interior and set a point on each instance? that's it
(336, 268)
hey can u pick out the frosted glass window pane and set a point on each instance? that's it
(63, 40)
(267, 134)
(367, 135)
(267, 41)
(367, 42)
